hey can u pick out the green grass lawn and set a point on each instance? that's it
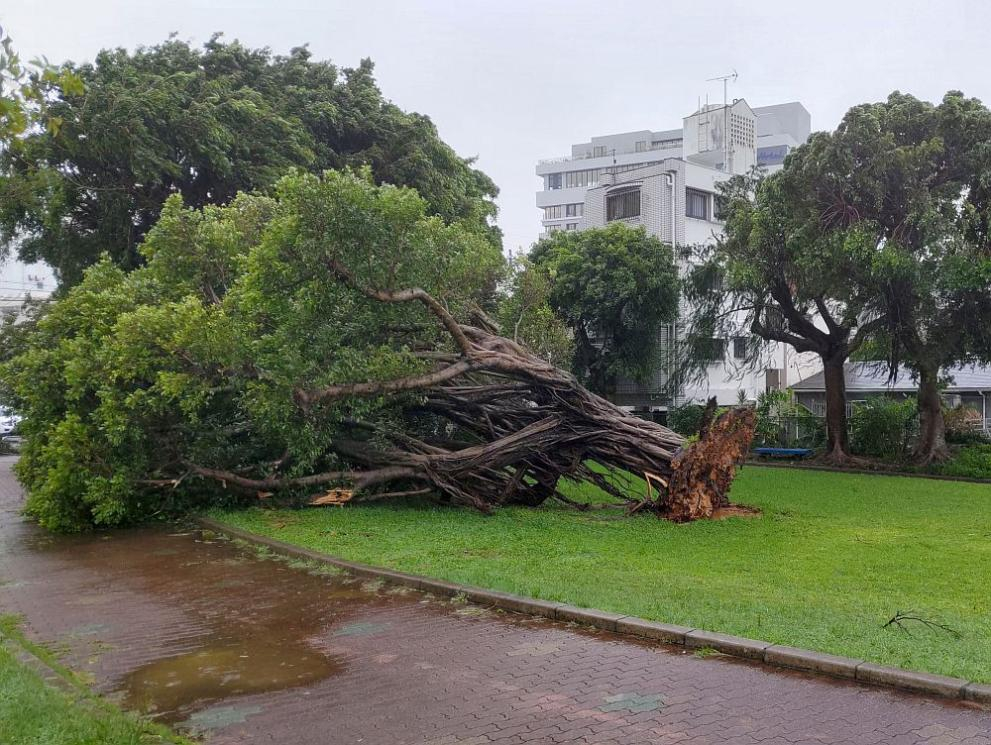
(829, 560)
(34, 713)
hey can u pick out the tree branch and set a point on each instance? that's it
(405, 296)
(865, 331)
(800, 344)
(826, 315)
(359, 479)
(378, 387)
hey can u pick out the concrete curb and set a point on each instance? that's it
(751, 649)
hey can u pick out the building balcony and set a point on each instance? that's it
(600, 160)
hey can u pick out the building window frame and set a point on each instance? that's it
(696, 203)
(716, 351)
(623, 204)
(587, 177)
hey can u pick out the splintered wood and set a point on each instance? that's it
(333, 497)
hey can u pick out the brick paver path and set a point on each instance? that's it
(209, 637)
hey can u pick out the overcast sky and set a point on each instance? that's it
(514, 81)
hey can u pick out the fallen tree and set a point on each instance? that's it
(324, 346)
(525, 424)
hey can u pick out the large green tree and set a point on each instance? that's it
(614, 287)
(775, 275)
(206, 124)
(913, 180)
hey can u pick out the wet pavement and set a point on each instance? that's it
(205, 635)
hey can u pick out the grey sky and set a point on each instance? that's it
(512, 82)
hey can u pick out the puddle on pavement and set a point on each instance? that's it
(250, 623)
(168, 688)
(221, 622)
(263, 622)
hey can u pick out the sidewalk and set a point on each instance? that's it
(208, 637)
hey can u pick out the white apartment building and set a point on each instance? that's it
(666, 181)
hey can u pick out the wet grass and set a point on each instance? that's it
(32, 712)
(830, 559)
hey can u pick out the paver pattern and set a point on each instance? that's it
(213, 639)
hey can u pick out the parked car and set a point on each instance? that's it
(8, 422)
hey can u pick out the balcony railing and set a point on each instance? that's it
(665, 145)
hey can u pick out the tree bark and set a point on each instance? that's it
(931, 447)
(837, 437)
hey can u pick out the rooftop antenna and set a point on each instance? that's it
(725, 78)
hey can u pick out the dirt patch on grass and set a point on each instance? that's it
(735, 510)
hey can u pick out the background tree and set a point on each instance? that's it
(614, 287)
(777, 275)
(907, 185)
(206, 124)
(526, 317)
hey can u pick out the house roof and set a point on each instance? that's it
(873, 376)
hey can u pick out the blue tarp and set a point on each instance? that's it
(784, 452)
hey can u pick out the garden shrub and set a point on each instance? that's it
(781, 422)
(963, 426)
(686, 419)
(883, 427)
(972, 461)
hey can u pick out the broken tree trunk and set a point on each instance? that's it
(493, 424)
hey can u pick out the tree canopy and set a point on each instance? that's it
(614, 287)
(205, 124)
(910, 182)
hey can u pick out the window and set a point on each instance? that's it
(553, 181)
(641, 146)
(574, 210)
(598, 151)
(739, 347)
(581, 178)
(623, 204)
(714, 350)
(554, 212)
(571, 226)
(553, 229)
(696, 204)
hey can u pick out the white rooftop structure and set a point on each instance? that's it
(763, 135)
(872, 377)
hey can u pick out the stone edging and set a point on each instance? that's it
(864, 471)
(765, 652)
